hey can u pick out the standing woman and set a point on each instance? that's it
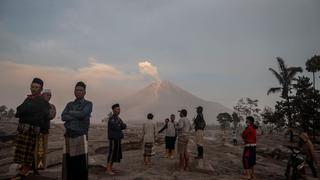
(32, 114)
(249, 136)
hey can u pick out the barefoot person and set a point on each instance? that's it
(115, 134)
(76, 117)
(42, 139)
(249, 153)
(199, 124)
(184, 128)
(149, 136)
(32, 114)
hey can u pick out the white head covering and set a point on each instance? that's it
(46, 91)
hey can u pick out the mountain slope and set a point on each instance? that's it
(164, 98)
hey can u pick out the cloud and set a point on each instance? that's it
(147, 68)
(105, 83)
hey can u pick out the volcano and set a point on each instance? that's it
(163, 98)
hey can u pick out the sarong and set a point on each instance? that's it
(183, 143)
(25, 144)
(115, 151)
(148, 149)
(41, 151)
(75, 159)
(249, 157)
(199, 137)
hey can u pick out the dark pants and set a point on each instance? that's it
(235, 142)
(170, 143)
(313, 169)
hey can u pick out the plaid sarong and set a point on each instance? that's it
(148, 149)
(25, 145)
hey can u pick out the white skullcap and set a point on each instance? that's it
(47, 91)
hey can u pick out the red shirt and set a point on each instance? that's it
(249, 135)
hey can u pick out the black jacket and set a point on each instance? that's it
(199, 122)
(33, 111)
(115, 127)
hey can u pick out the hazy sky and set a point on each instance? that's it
(219, 50)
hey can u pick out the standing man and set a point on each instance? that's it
(115, 134)
(148, 138)
(42, 139)
(76, 117)
(184, 128)
(32, 114)
(249, 136)
(199, 124)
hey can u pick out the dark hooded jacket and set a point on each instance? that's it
(33, 111)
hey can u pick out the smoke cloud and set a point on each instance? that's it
(147, 68)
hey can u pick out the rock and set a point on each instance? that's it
(54, 158)
(202, 166)
(5, 137)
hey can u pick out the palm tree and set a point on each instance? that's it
(313, 65)
(285, 77)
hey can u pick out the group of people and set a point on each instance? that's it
(35, 114)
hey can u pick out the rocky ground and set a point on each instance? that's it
(222, 160)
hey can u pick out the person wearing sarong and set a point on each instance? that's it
(249, 137)
(76, 117)
(42, 139)
(184, 128)
(32, 114)
(199, 125)
(148, 138)
(115, 134)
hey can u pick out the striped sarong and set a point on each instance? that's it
(148, 149)
(183, 143)
(75, 158)
(25, 145)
